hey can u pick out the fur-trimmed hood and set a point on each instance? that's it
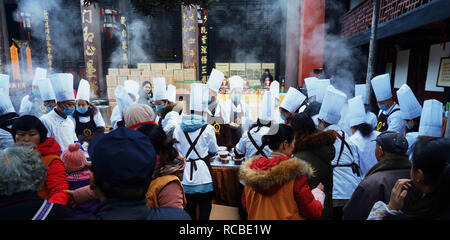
(278, 171)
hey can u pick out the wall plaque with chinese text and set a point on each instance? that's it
(444, 73)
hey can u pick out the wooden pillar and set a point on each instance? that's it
(312, 34)
(190, 38)
(92, 50)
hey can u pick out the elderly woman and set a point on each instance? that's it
(138, 114)
(29, 129)
(22, 174)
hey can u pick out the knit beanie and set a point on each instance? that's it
(73, 158)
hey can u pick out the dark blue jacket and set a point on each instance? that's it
(137, 210)
(24, 205)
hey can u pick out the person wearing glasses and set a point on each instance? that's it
(57, 122)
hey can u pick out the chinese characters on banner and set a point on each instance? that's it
(92, 49)
(124, 41)
(190, 38)
(203, 40)
(48, 39)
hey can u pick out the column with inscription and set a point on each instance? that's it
(92, 50)
(190, 38)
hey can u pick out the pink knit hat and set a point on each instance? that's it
(73, 158)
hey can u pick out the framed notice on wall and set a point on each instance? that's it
(444, 73)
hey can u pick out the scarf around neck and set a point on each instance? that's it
(191, 123)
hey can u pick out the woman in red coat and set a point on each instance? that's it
(30, 129)
(276, 188)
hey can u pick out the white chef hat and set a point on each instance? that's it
(236, 82)
(361, 90)
(215, 80)
(293, 99)
(39, 74)
(199, 97)
(171, 93)
(63, 86)
(409, 106)
(122, 98)
(356, 111)
(311, 86)
(159, 89)
(266, 107)
(4, 83)
(322, 85)
(5, 104)
(132, 87)
(431, 119)
(332, 104)
(382, 87)
(275, 89)
(46, 90)
(84, 91)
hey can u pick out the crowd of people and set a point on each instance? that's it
(315, 154)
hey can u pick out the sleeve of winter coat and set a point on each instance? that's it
(83, 195)
(171, 196)
(308, 206)
(56, 182)
(380, 210)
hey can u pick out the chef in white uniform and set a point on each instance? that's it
(250, 143)
(290, 104)
(346, 176)
(126, 95)
(410, 111)
(361, 90)
(87, 118)
(165, 100)
(57, 122)
(389, 118)
(363, 134)
(197, 143)
(214, 83)
(47, 94)
(31, 103)
(235, 111)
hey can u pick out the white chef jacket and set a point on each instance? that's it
(371, 119)
(63, 130)
(170, 122)
(395, 120)
(26, 107)
(366, 149)
(344, 180)
(206, 143)
(6, 139)
(115, 117)
(411, 137)
(245, 146)
(98, 119)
